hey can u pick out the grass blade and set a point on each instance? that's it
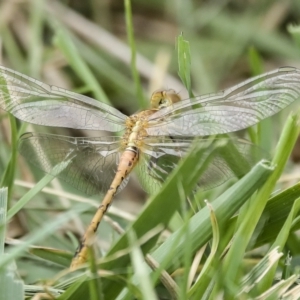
(252, 214)
(64, 42)
(199, 226)
(184, 63)
(11, 286)
(134, 71)
(140, 269)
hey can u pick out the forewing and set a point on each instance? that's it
(88, 164)
(234, 109)
(227, 159)
(35, 102)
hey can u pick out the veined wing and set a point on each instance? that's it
(35, 102)
(227, 159)
(234, 109)
(88, 164)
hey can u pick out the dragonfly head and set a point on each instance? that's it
(164, 98)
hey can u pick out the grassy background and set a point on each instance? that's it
(87, 47)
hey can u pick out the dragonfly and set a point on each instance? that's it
(154, 140)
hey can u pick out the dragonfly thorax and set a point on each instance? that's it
(136, 129)
(163, 98)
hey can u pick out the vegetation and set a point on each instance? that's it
(242, 243)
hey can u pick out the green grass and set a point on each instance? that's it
(235, 245)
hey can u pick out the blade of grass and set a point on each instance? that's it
(102, 39)
(294, 31)
(165, 278)
(251, 216)
(9, 173)
(38, 187)
(224, 206)
(41, 233)
(70, 293)
(135, 74)
(274, 215)
(258, 272)
(64, 42)
(255, 64)
(280, 242)
(293, 293)
(11, 286)
(60, 257)
(272, 219)
(12, 50)
(105, 68)
(95, 284)
(187, 258)
(278, 289)
(3, 210)
(198, 289)
(35, 45)
(184, 63)
(200, 226)
(31, 290)
(144, 281)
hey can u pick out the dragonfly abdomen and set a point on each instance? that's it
(128, 160)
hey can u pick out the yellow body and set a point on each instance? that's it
(132, 142)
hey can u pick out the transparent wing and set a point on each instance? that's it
(88, 164)
(236, 108)
(35, 102)
(228, 159)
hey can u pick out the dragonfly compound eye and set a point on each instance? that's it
(164, 98)
(156, 99)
